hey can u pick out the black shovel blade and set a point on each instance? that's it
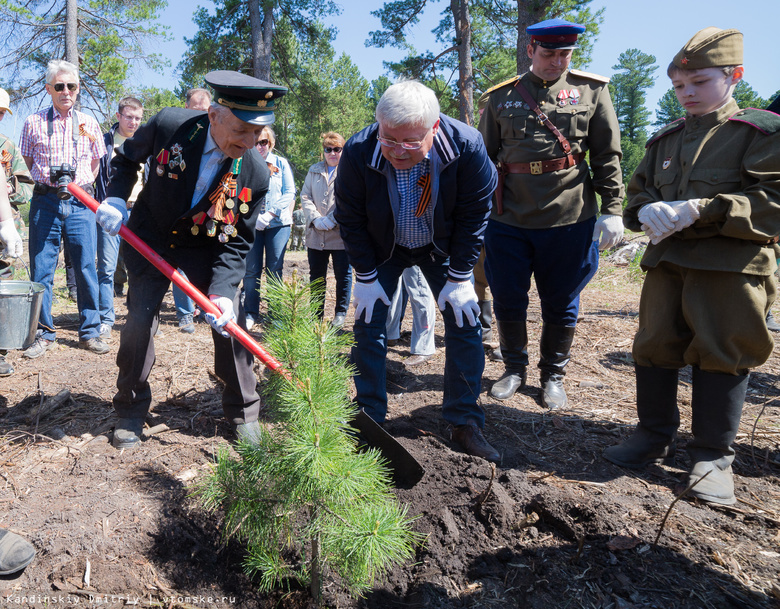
(407, 471)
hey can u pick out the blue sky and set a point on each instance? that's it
(658, 28)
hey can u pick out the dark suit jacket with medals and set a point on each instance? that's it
(162, 215)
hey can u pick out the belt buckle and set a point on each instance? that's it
(536, 168)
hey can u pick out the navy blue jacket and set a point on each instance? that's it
(463, 181)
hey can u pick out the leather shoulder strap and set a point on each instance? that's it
(544, 119)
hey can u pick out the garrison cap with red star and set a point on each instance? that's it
(555, 34)
(249, 98)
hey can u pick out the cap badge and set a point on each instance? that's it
(684, 60)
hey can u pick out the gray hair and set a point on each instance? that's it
(196, 93)
(408, 102)
(58, 66)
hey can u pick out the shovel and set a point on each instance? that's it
(407, 471)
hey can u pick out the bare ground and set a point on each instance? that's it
(554, 525)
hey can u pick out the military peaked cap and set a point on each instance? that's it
(555, 34)
(250, 99)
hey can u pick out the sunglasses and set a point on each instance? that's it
(60, 86)
(335, 149)
(262, 143)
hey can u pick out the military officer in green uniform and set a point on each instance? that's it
(538, 128)
(707, 193)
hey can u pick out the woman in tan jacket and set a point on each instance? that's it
(323, 240)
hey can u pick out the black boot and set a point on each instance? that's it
(514, 347)
(654, 439)
(485, 320)
(716, 407)
(554, 349)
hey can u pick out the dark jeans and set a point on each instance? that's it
(464, 356)
(562, 261)
(318, 269)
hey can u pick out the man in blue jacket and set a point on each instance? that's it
(414, 188)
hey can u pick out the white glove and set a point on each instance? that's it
(10, 237)
(462, 299)
(687, 213)
(226, 306)
(365, 295)
(323, 223)
(111, 214)
(263, 220)
(659, 217)
(609, 228)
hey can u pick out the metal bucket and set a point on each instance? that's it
(20, 306)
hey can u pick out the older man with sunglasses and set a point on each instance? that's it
(60, 145)
(414, 188)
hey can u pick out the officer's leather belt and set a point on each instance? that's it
(534, 168)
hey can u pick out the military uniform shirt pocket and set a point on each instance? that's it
(708, 181)
(572, 121)
(665, 182)
(513, 123)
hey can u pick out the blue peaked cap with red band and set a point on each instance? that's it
(555, 34)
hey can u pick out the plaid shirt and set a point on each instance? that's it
(35, 143)
(413, 232)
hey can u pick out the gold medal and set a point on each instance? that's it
(211, 228)
(229, 203)
(195, 229)
(243, 208)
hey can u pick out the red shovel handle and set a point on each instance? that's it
(171, 273)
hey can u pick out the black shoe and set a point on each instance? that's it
(553, 394)
(15, 552)
(119, 290)
(338, 320)
(471, 440)
(249, 433)
(511, 382)
(127, 433)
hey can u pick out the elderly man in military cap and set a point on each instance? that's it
(538, 128)
(713, 220)
(198, 211)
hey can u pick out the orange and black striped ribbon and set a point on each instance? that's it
(226, 186)
(86, 133)
(425, 196)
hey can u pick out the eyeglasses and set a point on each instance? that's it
(336, 149)
(388, 143)
(131, 119)
(60, 86)
(262, 143)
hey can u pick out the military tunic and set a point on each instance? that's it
(579, 105)
(14, 166)
(708, 287)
